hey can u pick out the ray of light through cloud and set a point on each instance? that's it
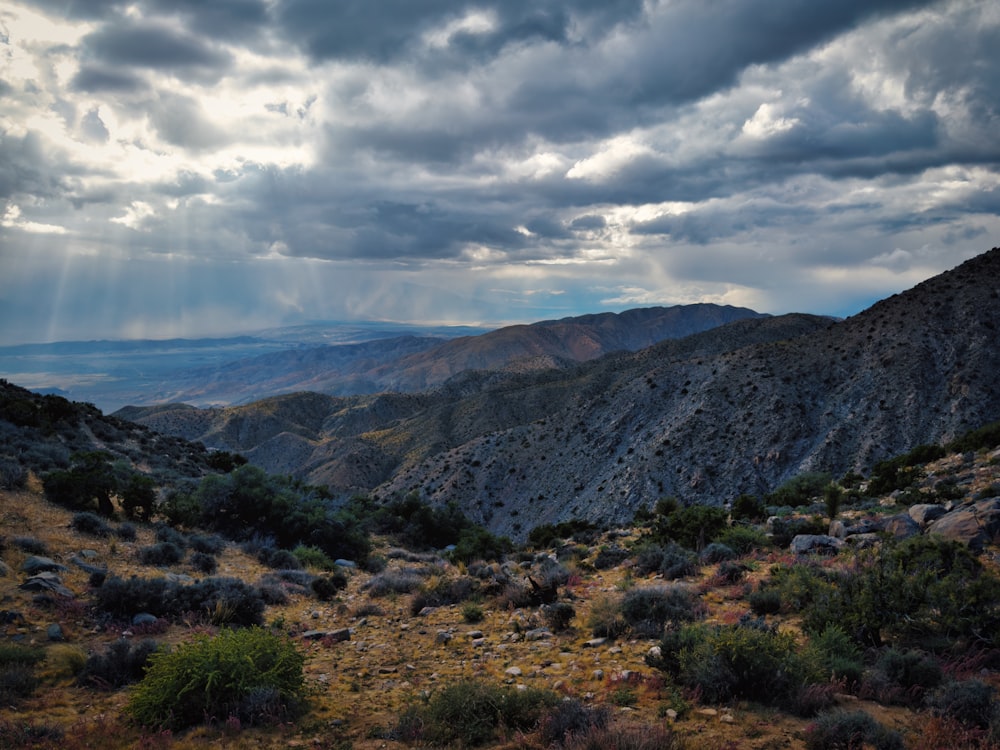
(189, 169)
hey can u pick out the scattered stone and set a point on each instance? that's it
(863, 541)
(803, 544)
(144, 618)
(341, 563)
(344, 634)
(89, 554)
(615, 650)
(426, 611)
(595, 642)
(314, 635)
(537, 634)
(728, 718)
(478, 642)
(178, 578)
(37, 564)
(655, 652)
(87, 567)
(972, 525)
(837, 529)
(513, 671)
(54, 632)
(315, 614)
(475, 634)
(4, 570)
(901, 526)
(46, 581)
(925, 513)
(388, 670)
(442, 636)
(708, 713)
(598, 674)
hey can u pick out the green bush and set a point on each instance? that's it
(251, 674)
(837, 654)
(692, 527)
(716, 552)
(800, 490)
(648, 611)
(748, 508)
(204, 563)
(903, 677)
(223, 601)
(477, 543)
(558, 615)
(765, 601)
(850, 730)
(313, 557)
(161, 553)
(17, 672)
(671, 561)
(972, 703)
(121, 663)
(743, 539)
(986, 437)
(473, 713)
(86, 522)
(326, 587)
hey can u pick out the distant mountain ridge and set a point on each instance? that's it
(738, 408)
(412, 363)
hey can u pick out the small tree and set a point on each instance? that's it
(833, 496)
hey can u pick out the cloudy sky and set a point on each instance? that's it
(182, 167)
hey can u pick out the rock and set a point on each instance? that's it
(924, 513)
(837, 529)
(728, 718)
(863, 541)
(671, 714)
(4, 570)
(474, 634)
(815, 543)
(595, 642)
(144, 618)
(537, 634)
(179, 578)
(344, 634)
(314, 635)
(972, 525)
(46, 581)
(598, 674)
(513, 671)
(707, 712)
(442, 637)
(37, 564)
(655, 652)
(89, 554)
(864, 526)
(54, 633)
(901, 526)
(341, 563)
(87, 567)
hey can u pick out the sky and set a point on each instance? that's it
(189, 168)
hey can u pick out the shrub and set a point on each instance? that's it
(204, 562)
(472, 712)
(209, 544)
(692, 527)
(90, 523)
(800, 489)
(558, 616)
(837, 654)
(609, 557)
(326, 587)
(647, 611)
(670, 560)
(622, 735)
(783, 530)
(30, 545)
(472, 612)
(477, 543)
(161, 553)
(972, 703)
(279, 559)
(730, 571)
(221, 600)
(850, 730)
(122, 663)
(126, 532)
(716, 552)
(17, 672)
(903, 677)
(250, 674)
(313, 557)
(743, 539)
(571, 719)
(443, 592)
(605, 619)
(765, 601)
(394, 582)
(748, 508)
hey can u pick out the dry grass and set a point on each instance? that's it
(392, 660)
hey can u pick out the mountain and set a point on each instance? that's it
(739, 408)
(415, 363)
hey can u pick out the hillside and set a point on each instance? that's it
(414, 363)
(740, 408)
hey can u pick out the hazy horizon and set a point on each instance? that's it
(188, 169)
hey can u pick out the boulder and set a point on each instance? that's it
(54, 633)
(815, 543)
(972, 525)
(144, 618)
(46, 581)
(4, 570)
(901, 526)
(924, 513)
(38, 564)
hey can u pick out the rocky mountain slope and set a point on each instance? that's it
(416, 363)
(736, 409)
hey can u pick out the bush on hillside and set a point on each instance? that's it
(222, 601)
(86, 522)
(251, 674)
(670, 560)
(850, 730)
(648, 611)
(122, 663)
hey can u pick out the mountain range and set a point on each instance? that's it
(741, 407)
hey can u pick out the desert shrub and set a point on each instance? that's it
(477, 543)
(221, 600)
(605, 619)
(671, 561)
(62, 661)
(901, 472)
(765, 601)
(401, 581)
(472, 613)
(161, 553)
(86, 522)
(730, 571)
(716, 552)
(326, 587)
(850, 730)
(122, 663)
(558, 616)
(203, 562)
(17, 672)
(748, 508)
(126, 532)
(472, 712)
(209, 544)
(837, 654)
(972, 703)
(12, 474)
(569, 719)
(30, 545)
(444, 591)
(624, 735)
(800, 489)
(609, 557)
(24, 734)
(279, 559)
(692, 527)
(902, 677)
(743, 539)
(313, 557)
(647, 611)
(744, 661)
(238, 673)
(987, 436)
(783, 530)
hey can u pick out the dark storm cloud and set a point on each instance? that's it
(389, 30)
(28, 168)
(220, 19)
(155, 46)
(96, 79)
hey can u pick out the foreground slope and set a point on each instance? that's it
(736, 409)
